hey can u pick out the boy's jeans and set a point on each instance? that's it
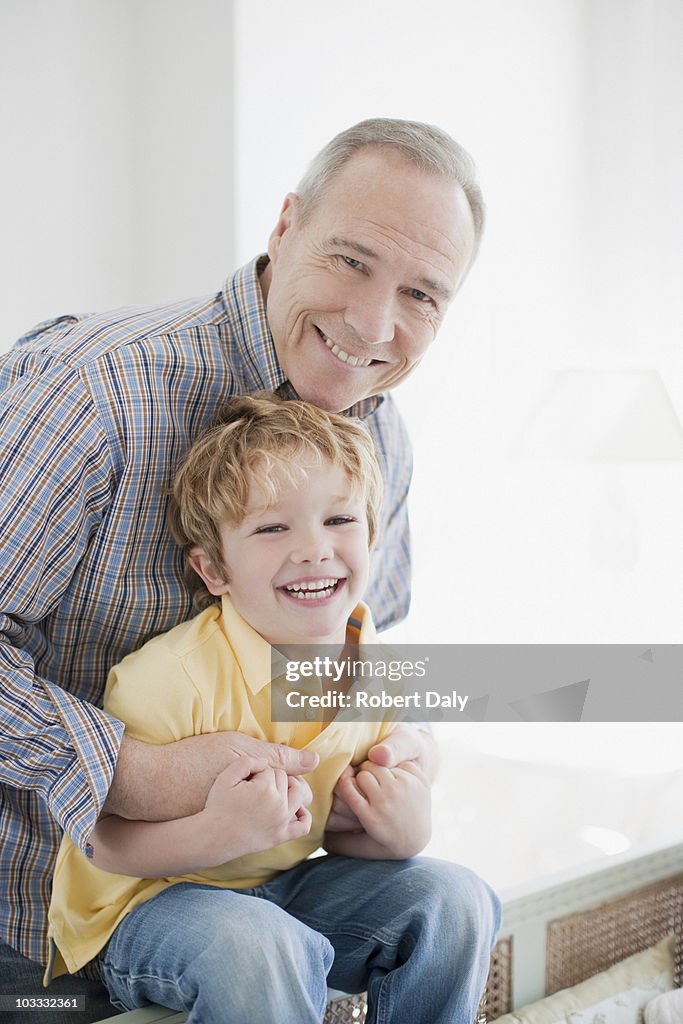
(416, 934)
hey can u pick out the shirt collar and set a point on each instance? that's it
(253, 653)
(258, 367)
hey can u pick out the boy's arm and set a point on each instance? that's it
(393, 807)
(251, 807)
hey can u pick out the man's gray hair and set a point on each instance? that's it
(425, 145)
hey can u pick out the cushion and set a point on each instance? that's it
(616, 996)
(666, 1009)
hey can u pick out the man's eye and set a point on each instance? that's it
(351, 262)
(420, 296)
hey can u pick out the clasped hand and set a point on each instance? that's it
(383, 806)
(270, 806)
(392, 806)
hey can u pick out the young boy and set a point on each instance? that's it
(221, 914)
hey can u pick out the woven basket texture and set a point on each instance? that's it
(347, 1010)
(582, 944)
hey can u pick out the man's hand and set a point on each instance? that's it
(407, 743)
(393, 808)
(164, 782)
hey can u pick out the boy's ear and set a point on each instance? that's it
(215, 582)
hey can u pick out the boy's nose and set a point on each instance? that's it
(313, 547)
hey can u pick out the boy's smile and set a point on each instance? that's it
(297, 568)
(313, 589)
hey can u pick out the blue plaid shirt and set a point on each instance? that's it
(95, 412)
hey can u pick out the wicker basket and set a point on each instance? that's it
(347, 1010)
(497, 997)
(583, 944)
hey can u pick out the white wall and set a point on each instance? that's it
(116, 178)
(569, 110)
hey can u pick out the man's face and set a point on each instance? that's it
(356, 293)
(296, 568)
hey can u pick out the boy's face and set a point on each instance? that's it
(296, 569)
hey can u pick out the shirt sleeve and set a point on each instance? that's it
(56, 482)
(152, 692)
(388, 595)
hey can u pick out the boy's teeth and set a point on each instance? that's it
(312, 585)
(312, 590)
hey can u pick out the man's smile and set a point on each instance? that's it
(342, 356)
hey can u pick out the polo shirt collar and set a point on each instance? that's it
(258, 367)
(253, 653)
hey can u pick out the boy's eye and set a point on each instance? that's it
(339, 520)
(271, 528)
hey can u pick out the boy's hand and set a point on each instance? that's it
(405, 743)
(341, 818)
(252, 807)
(392, 805)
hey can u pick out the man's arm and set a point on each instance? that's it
(53, 500)
(250, 807)
(159, 782)
(37, 748)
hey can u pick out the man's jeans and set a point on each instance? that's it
(416, 934)
(22, 977)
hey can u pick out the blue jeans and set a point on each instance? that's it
(417, 934)
(22, 977)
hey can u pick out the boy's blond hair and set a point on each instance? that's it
(253, 438)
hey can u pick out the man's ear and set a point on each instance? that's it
(289, 215)
(215, 582)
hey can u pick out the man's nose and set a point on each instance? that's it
(372, 315)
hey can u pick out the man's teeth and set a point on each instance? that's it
(312, 590)
(343, 356)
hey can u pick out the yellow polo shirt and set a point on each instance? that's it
(210, 674)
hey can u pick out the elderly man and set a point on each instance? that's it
(95, 412)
